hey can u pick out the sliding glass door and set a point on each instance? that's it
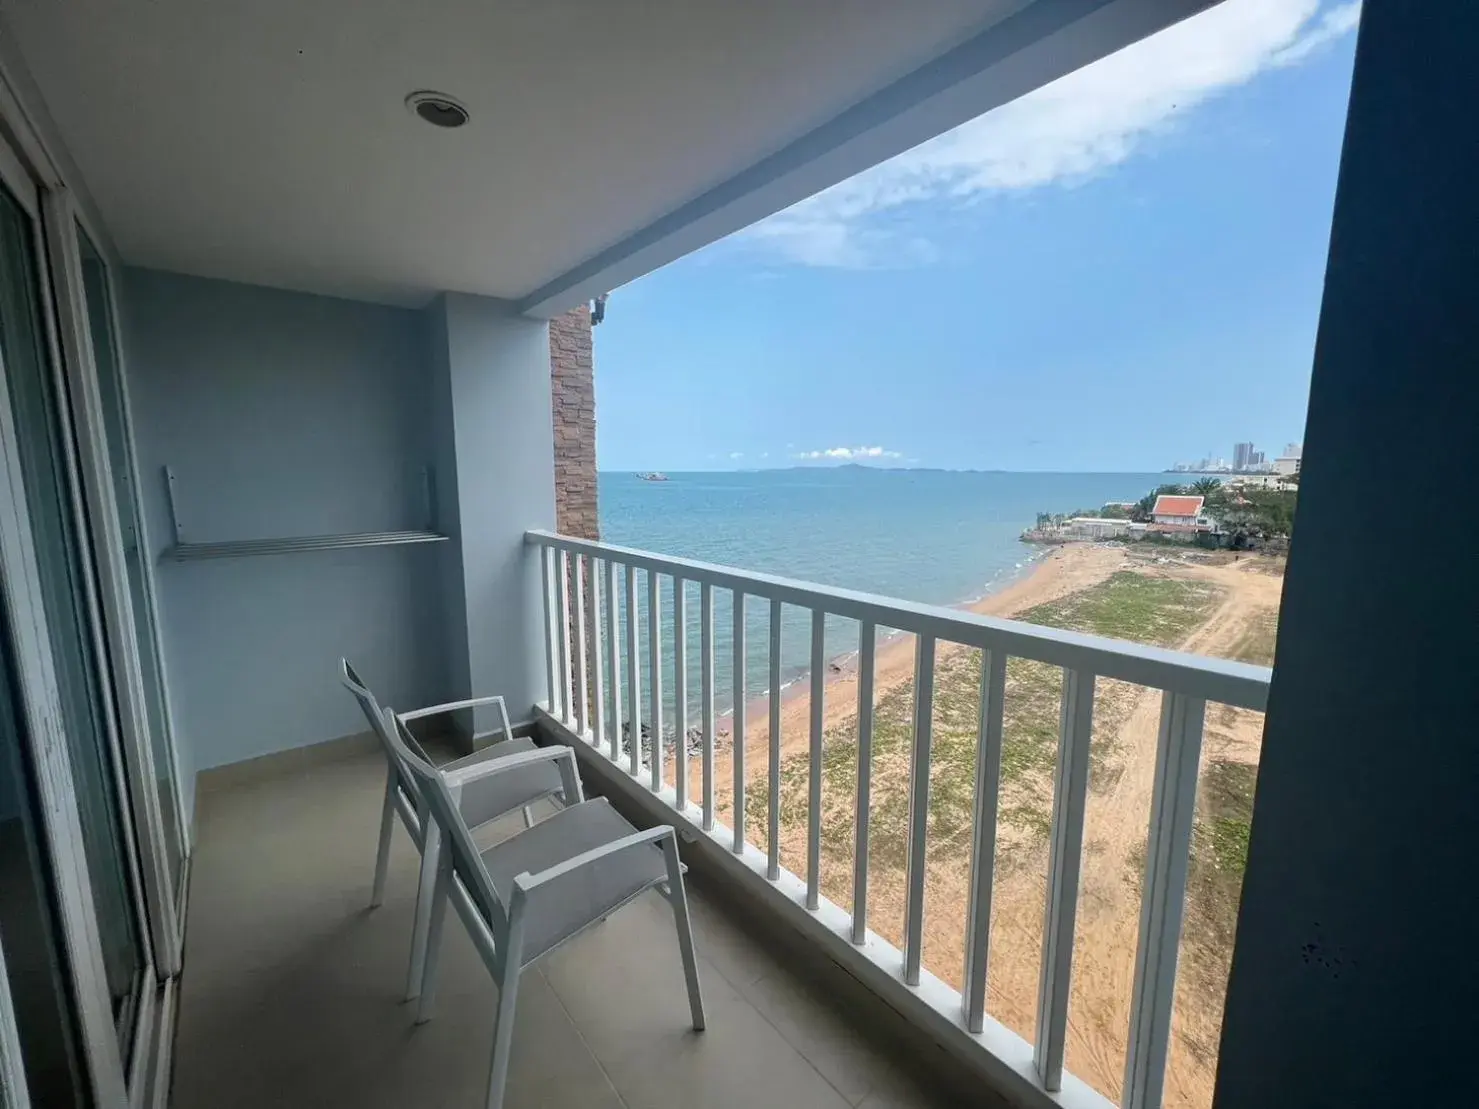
(46, 1059)
(79, 965)
(68, 590)
(89, 361)
(101, 327)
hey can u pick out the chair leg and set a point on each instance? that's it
(503, 1031)
(430, 854)
(678, 898)
(382, 852)
(441, 894)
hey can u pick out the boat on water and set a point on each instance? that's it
(654, 476)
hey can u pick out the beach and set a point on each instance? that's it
(1065, 570)
(826, 528)
(1235, 615)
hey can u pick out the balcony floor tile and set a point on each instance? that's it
(292, 989)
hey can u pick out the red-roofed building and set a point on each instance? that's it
(1178, 511)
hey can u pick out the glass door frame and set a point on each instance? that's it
(84, 225)
(40, 708)
(61, 219)
(12, 1068)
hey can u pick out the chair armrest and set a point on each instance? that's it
(529, 882)
(498, 750)
(458, 777)
(457, 706)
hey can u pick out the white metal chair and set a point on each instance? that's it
(522, 898)
(532, 775)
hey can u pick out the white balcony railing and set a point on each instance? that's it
(577, 574)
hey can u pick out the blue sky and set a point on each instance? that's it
(1118, 272)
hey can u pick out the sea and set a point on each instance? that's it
(936, 536)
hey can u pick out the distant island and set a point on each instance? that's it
(653, 476)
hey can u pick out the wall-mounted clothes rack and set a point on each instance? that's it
(187, 551)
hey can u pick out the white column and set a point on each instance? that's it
(495, 479)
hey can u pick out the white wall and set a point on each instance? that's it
(493, 372)
(283, 414)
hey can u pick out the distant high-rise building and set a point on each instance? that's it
(1242, 452)
(1293, 450)
(1255, 460)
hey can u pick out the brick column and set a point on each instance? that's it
(573, 404)
(573, 394)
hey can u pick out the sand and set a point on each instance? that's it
(1116, 826)
(1066, 570)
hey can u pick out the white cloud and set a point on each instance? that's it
(736, 455)
(1068, 131)
(846, 454)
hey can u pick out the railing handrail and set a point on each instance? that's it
(1232, 683)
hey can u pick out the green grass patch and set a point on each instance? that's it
(1161, 611)
(1219, 855)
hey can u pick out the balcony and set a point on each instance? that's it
(904, 906)
(261, 310)
(827, 985)
(293, 988)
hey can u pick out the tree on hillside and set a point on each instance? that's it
(1205, 486)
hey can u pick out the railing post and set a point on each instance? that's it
(1167, 855)
(578, 602)
(737, 731)
(654, 677)
(983, 836)
(680, 692)
(613, 655)
(562, 622)
(1070, 800)
(919, 808)
(814, 760)
(547, 572)
(867, 646)
(773, 782)
(634, 675)
(706, 695)
(598, 683)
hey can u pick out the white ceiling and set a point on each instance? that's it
(269, 142)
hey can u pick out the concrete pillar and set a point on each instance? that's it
(1354, 974)
(495, 480)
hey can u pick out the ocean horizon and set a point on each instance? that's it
(934, 536)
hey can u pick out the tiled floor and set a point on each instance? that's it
(292, 988)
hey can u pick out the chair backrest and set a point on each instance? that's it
(467, 863)
(383, 730)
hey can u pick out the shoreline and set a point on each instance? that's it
(1054, 574)
(846, 664)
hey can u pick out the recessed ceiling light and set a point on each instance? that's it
(437, 108)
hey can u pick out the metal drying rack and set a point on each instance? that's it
(183, 551)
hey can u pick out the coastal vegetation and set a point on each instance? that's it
(1133, 606)
(1241, 512)
(1205, 602)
